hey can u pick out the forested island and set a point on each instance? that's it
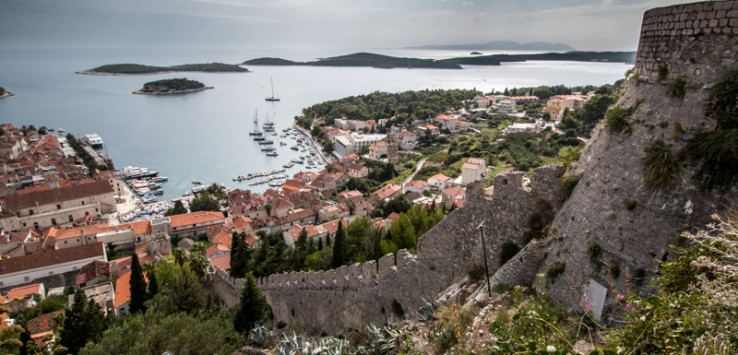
(172, 86)
(384, 61)
(4, 93)
(138, 69)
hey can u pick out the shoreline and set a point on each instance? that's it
(96, 73)
(172, 92)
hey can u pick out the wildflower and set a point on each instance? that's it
(620, 297)
(629, 307)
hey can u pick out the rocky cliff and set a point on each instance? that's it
(613, 219)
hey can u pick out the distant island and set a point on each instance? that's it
(384, 61)
(172, 86)
(4, 93)
(501, 46)
(361, 60)
(140, 69)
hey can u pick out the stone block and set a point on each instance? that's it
(385, 263)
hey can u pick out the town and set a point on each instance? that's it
(69, 222)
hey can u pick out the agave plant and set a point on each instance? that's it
(427, 310)
(324, 346)
(259, 335)
(386, 339)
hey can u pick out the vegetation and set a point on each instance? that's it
(137, 286)
(87, 159)
(169, 85)
(383, 61)
(83, 322)
(252, 308)
(178, 208)
(2, 91)
(659, 166)
(148, 69)
(362, 60)
(567, 187)
(507, 252)
(677, 88)
(716, 151)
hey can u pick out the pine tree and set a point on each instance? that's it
(153, 285)
(302, 242)
(83, 322)
(239, 255)
(252, 308)
(137, 286)
(339, 247)
(320, 243)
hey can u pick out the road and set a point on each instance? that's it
(417, 168)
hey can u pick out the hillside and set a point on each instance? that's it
(501, 45)
(360, 60)
(383, 61)
(133, 69)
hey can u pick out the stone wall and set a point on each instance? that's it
(611, 209)
(354, 296)
(697, 39)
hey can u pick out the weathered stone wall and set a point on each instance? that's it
(523, 268)
(353, 296)
(696, 39)
(611, 165)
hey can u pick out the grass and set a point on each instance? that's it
(659, 166)
(677, 89)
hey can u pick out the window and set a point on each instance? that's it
(58, 207)
(87, 213)
(35, 225)
(26, 278)
(71, 219)
(24, 224)
(30, 212)
(83, 203)
(51, 273)
(53, 221)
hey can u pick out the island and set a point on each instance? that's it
(140, 69)
(384, 61)
(172, 86)
(361, 60)
(4, 93)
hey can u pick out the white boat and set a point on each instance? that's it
(288, 165)
(196, 182)
(159, 178)
(272, 154)
(272, 98)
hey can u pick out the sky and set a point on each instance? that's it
(598, 25)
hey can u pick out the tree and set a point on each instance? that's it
(240, 255)
(137, 286)
(10, 336)
(177, 209)
(328, 146)
(204, 203)
(153, 283)
(339, 247)
(83, 323)
(252, 308)
(268, 207)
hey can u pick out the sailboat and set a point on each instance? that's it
(272, 98)
(256, 131)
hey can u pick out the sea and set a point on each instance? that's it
(204, 136)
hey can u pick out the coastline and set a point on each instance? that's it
(330, 159)
(172, 92)
(90, 72)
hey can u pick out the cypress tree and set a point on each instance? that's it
(320, 243)
(302, 242)
(137, 286)
(252, 308)
(339, 253)
(83, 322)
(237, 265)
(153, 285)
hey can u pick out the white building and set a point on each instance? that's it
(472, 170)
(520, 128)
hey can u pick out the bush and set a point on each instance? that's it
(555, 270)
(663, 72)
(677, 88)
(616, 120)
(659, 166)
(631, 204)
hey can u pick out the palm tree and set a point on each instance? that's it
(179, 256)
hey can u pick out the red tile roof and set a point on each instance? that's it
(123, 289)
(217, 249)
(445, 117)
(394, 216)
(387, 191)
(92, 271)
(51, 257)
(222, 262)
(198, 217)
(17, 202)
(439, 176)
(23, 291)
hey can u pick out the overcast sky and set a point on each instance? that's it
(362, 24)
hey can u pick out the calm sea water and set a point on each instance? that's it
(204, 135)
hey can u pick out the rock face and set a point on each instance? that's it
(612, 220)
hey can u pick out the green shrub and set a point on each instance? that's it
(659, 166)
(616, 120)
(594, 251)
(614, 270)
(677, 89)
(507, 252)
(717, 151)
(555, 270)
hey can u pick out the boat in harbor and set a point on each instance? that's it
(133, 172)
(282, 143)
(272, 154)
(272, 98)
(94, 141)
(196, 182)
(294, 147)
(259, 138)
(268, 149)
(265, 142)
(150, 198)
(288, 165)
(159, 178)
(297, 161)
(256, 131)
